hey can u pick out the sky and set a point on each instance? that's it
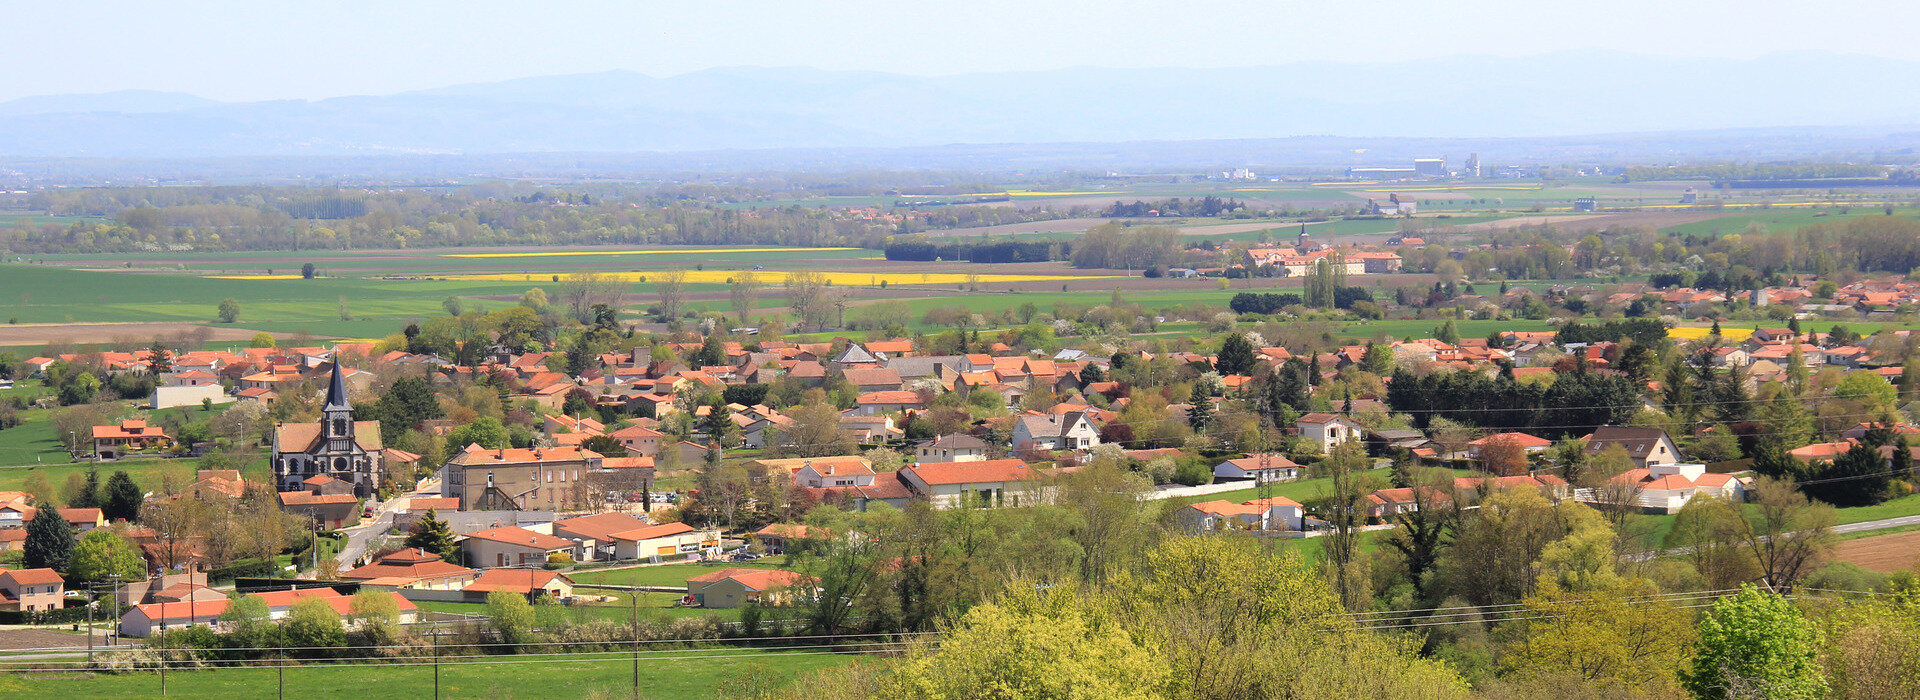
(313, 49)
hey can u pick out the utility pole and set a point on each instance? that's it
(634, 597)
(436, 661)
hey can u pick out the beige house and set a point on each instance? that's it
(412, 568)
(517, 479)
(31, 590)
(515, 546)
(732, 588)
(1328, 431)
(532, 583)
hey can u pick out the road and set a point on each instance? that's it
(360, 537)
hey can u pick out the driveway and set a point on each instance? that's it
(360, 537)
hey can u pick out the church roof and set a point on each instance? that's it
(305, 437)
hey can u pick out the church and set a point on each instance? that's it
(337, 446)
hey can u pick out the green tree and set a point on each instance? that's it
(49, 543)
(407, 403)
(1236, 356)
(1201, 415)
(511, 617)
(313, 623)
(123, 498)
(434, 535)
(485, 431)
(102, 554)
(1447, 333)
(89, 494)
(229, 310)
(1755, 644)
(262, 339)
(1027, 645)
(248, 620)
(1378, 359)
(1602, 638)
(375, 614)
(1871, 390)
(306, 271)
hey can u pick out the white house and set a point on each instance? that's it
(1666, 488)
(1328, 430)
(829, 474)
(1647, 447)
(952, 448)
(1275, 467)
(1274, 513)
(1051, 431)
(995, 482)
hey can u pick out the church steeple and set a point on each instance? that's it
(337, 392)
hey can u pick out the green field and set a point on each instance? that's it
(1783, 219)
(664, 673)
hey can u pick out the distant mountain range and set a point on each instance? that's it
(1553, 95)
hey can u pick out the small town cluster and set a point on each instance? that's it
(451, 481)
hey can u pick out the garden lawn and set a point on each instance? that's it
(665, 674)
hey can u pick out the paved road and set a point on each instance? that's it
(360, 537)
(1901, 521)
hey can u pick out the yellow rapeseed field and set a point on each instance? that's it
(254, 277)
(1696, 333)
(684, 251)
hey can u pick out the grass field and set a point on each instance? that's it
(1777, 220)
(676, 673)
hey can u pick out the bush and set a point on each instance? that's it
(558, 560)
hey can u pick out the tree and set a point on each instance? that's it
(1346, 513)
(1755, 644)
(1858, 477)
(1871, 390)
(89, 494)
(1447, 333)
(815, 431)
(812, 298)
(1787, 533)
(123, 498)
(229, 310)
(1201, 415)
(1503, 455)
(314, 624)
(375, 614)
(672, 288)
(744, 293)
(1378, 359)
(49, 543)
(485, 431)
(435, 536)
(1236, 356)
(1423, 532)
(1604, 638)
(306, 271)
(262, 339)
(407, 403)
(511, 617)
(103, 554)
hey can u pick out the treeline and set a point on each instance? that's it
(293, 218)
(1573, 403)
(997, 252)
(1650, 332)
(1765, 171)
(1175, 206)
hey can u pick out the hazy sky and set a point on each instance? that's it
(274, 49)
